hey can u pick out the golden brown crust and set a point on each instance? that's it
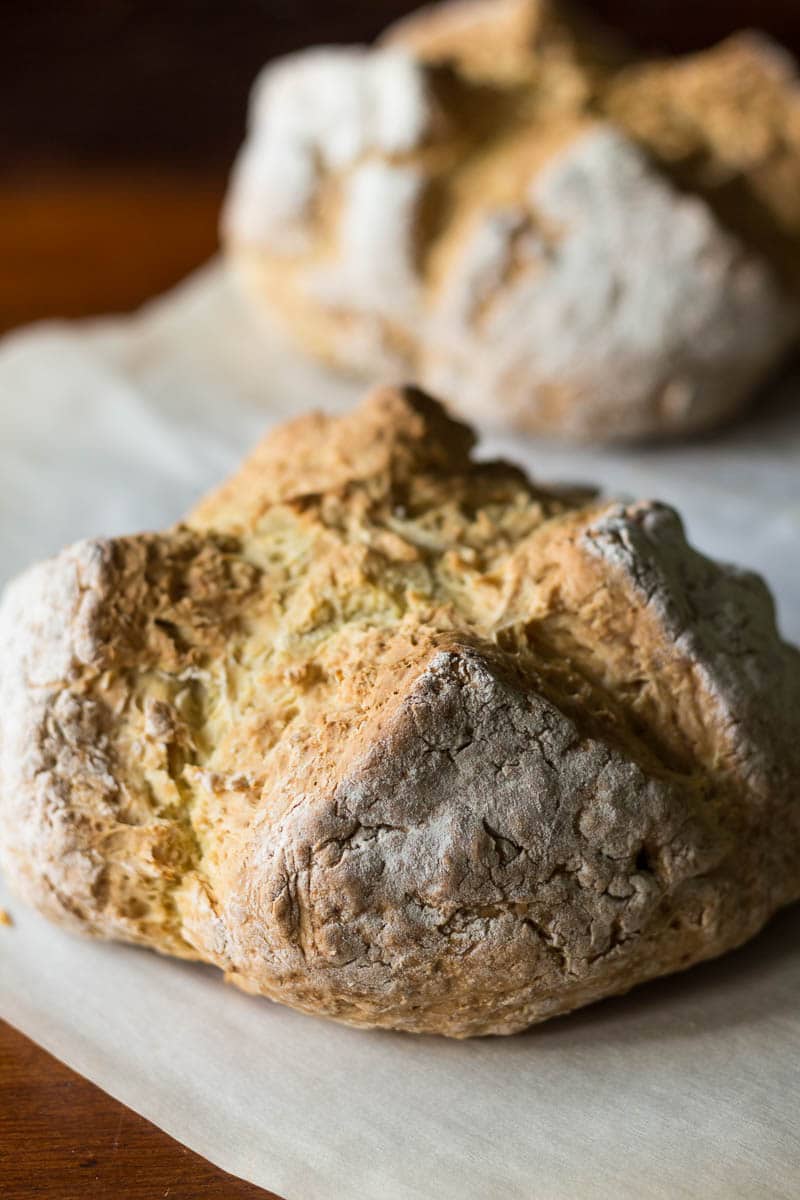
(399, 738)
(563, 53)
(726, 123)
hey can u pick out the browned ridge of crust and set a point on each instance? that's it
(724, 122)
(394, 736)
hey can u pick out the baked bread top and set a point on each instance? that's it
(396, 736)
(726, 123)
(498, 202)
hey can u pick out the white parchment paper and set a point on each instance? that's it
(689, 1087)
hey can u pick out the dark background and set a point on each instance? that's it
(165, 81)
(119, 119)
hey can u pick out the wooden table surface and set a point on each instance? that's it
(118, 122)
(62, 1137)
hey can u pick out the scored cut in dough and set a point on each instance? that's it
(397, 737)
(496, 201)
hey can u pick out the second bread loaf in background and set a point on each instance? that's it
(500, 202)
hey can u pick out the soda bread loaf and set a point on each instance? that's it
(497, 202)
(397, 737)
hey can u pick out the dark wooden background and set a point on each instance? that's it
(118, 121)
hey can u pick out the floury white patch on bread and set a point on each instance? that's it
(531, 244)
(321, 111)
(394, 736)
(640, 307)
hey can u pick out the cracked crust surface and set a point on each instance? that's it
(496, 201)
(397, 737)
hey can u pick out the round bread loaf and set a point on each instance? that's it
(496, 202)
(395, 736)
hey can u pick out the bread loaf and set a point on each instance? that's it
(497, 202)
(395, 736)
